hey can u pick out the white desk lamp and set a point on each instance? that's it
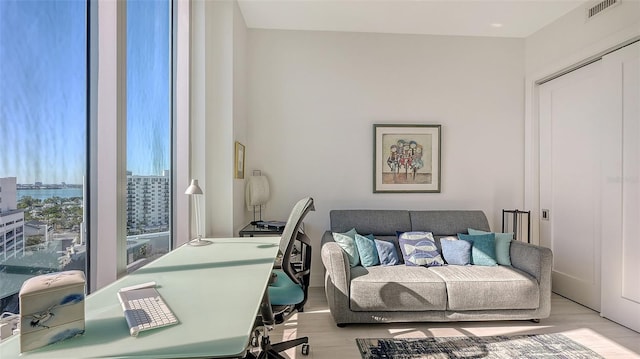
(195, 191)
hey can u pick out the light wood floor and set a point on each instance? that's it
(573, 320)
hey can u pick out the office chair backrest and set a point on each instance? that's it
(290, 233)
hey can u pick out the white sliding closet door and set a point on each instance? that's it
(621, 189)
(570, 174)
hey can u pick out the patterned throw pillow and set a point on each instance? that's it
(367, 250)
(503, 245)
(348, 243)
(455, 251)
(483, 248)
(419, 249)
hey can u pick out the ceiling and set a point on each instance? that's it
(497, 18)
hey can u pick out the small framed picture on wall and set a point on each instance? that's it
(239, 161)
(406, 158)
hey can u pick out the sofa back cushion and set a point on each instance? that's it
(447, 223)
(376, 222)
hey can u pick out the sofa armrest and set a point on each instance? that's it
(537, 261)
(530, 258)
(337, 277)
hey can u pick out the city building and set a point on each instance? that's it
(11, 220)
(148, 199)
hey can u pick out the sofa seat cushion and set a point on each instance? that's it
(396, 288)
(488, 288)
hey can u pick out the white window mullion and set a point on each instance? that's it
(108, 129)
(108, 154)
(181, 98)
(121, 145)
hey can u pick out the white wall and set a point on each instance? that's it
(314, 97)
(571, 38)
(217, 110)
(239, 109)
(560, 45)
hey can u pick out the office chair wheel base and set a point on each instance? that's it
(305, 349)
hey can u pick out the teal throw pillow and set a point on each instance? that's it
(387, 252)
(348, 243)
(367, 250)
(419, 249)
(456, 252)
(503, 246)
(483, 248)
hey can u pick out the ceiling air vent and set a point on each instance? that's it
(600, 7)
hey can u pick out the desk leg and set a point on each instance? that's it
(266, 312)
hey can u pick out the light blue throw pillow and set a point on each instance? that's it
(367, 250)
(419, 249)
(456, 252)
(348, 243)
(387, 252)
(483, 248)
(503, 245)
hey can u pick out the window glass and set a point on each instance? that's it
(148, 130)
(43, 124)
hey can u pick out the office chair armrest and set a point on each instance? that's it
(301, 267)
(302, 237)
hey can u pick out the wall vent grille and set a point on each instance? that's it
(600, 7)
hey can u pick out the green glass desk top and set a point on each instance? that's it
(214, 291)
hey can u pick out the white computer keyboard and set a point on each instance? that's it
(144, 309)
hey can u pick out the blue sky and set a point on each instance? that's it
(43, 89)
(148, 95)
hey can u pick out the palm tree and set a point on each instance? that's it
(27, 202)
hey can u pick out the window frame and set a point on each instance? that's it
(107, 189)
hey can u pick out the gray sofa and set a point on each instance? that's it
(403, 293)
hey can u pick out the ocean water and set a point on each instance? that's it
(48, 193)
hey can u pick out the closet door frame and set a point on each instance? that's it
(532, 125)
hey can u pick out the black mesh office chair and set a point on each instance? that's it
(287, 292)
